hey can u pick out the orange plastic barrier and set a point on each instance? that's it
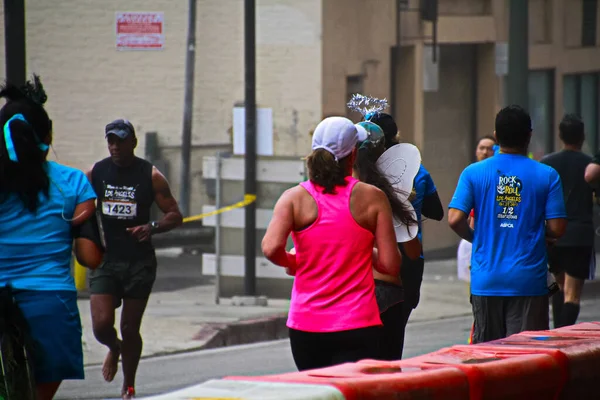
(371, 379)
(502, 375)
(591, 329)
(580, 356)
(558, 364)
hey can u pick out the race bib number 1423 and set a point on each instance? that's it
(119, 209)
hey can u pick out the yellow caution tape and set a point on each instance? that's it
(248, 199)
(79, 275)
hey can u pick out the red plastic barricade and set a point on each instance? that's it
(586, 329)
(580, 356)
(501, 375)
(371, 379)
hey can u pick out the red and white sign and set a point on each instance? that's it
(140, 30)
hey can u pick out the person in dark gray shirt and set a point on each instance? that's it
(571, 257)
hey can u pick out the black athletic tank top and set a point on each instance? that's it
(125, 196)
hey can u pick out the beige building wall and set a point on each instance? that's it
(71, 44)
(357, 37)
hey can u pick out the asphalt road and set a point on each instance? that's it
(168, 373)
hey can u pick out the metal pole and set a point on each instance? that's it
(188, 111)
(14, 41)
(218, 231)
(395, 59)
(250, 158)
(518, 54)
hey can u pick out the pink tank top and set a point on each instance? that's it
(334, 288)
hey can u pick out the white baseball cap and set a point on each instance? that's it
(337, 135)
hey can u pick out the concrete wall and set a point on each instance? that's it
(449, 124)
(71, 44)
(357, 37)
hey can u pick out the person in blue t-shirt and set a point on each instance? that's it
(44, 206)
(426, 202)
(519, 207)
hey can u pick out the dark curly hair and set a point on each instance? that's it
(513, 127)
(571, 130)
(24, 176)
(324, 171)
(388, 125)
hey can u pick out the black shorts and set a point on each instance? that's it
(497, 317)
(574, 261)
(324, 349)
(387, 295)
(124, 279)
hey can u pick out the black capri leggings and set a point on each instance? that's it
(323, 349)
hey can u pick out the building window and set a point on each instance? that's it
(589, 23)
(541, 102)
(580, 96)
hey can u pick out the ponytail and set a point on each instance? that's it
(325, 171)
(25, 127)
(23, 170)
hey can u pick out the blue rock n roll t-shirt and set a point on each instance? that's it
(36, 248)
(512, 196)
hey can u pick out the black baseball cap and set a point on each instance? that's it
(120, 127)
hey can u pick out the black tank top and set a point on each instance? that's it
(125, 196)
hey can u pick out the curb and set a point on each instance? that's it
(243, 332)
(225, 335)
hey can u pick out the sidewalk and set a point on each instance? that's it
(188, 319)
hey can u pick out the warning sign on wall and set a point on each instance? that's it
(140, 30)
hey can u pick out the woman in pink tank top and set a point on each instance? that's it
(335, 221)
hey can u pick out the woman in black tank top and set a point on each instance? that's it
(388, 289)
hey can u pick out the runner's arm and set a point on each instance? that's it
(83, 211)
(386, 257)
(461, 205)
(555, 228)
(555, 212)
(412, 248)
(278, 231)
(172, 217)
(432, 207)
(88, 174)
(88, 247)
(458, 221)
(592, 173)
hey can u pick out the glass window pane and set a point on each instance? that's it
(589, 110)
(570, 94)
(540, 109)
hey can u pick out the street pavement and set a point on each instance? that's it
(182, 318)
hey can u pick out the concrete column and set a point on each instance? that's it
(408, 110)
(487, 89)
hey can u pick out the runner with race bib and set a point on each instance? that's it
(126, 187)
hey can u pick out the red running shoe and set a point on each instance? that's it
(129, 393)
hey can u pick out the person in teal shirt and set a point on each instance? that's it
(43, 207)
